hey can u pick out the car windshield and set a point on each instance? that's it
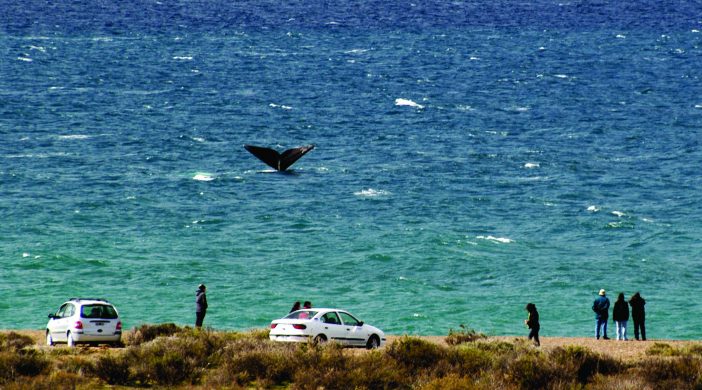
(301, 315)
(98, 311)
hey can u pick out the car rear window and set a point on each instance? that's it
(301, 314)
(98, 311)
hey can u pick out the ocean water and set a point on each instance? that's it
(470, 158)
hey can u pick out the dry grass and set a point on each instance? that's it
(175, 357)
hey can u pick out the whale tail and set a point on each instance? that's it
(278, 161)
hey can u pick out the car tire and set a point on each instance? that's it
(373, 342)
(49, 339)
(320, 339)
(69, 340)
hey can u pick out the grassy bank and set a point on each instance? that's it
(175, 357)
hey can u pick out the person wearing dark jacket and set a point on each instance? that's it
(200, 305)
(638, 314)
(532, 322)
(601, 309)
(620, 315)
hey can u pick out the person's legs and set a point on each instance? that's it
(534, 333)
(604, 329)
(598, 323)
(624, 331)
(619, 329)
(199, 318)
(643, 331)
(636, 329)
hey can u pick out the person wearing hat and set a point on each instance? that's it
(200, 305)
(601, 309)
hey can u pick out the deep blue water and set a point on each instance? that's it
(469, 158)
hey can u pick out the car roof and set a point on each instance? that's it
(89, 300)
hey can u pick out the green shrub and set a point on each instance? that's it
(661, 349)
(14, 341)
(146, 333)
(580, 364)
(531, 371)
(14, 364)
(450, 382)
(676, 372)
(415, 353)
(112, 369)
(463, 335)
(469, 359)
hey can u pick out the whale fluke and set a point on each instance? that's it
(278, 161)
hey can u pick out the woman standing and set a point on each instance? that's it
(532, 322)
(638, 314)
(620, 315)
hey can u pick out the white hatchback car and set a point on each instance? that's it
(321, 325)
(84, 320)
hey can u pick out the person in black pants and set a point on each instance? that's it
(200, 305)
(638, 314)
(533, 323)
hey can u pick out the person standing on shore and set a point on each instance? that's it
(532, 322)
(601, 309)
(200, 305)
(620, 315)
(638, 314)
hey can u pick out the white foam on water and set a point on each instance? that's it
(25, 59)
(74, 136)
(698, 105)
(502, 240)
(183, 58)
(618, 213)
(282, 107)
(203, 177)
(407, 103)
(593, 209)
(372, 193)
(531, 165)
(621, 36)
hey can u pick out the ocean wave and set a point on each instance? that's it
(281, 106)
(593, 209)
(74, 137)
(372, 193)
(618, 213)
(531, 165)
(183, 58)
(407, 103)
(203, 177)
(502, 240)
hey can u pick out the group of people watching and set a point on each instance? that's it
(620, 315)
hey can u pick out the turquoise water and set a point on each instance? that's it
(464, 166)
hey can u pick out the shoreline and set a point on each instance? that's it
(630, 350)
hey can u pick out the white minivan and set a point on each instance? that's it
(84, 320)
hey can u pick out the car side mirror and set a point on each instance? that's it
(360, 323)
(52, 316)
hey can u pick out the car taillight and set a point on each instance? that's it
(273, 326)
(119, 325)
(78, 325)
(299, 326)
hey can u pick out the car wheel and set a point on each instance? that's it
(373, 342)
(69, 340)
(320, 339)
(49, 339)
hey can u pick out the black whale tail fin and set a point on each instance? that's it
(275, 160)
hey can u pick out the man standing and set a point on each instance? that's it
(601, 309)
(200, 305)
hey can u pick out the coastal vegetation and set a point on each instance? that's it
(166, 355)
